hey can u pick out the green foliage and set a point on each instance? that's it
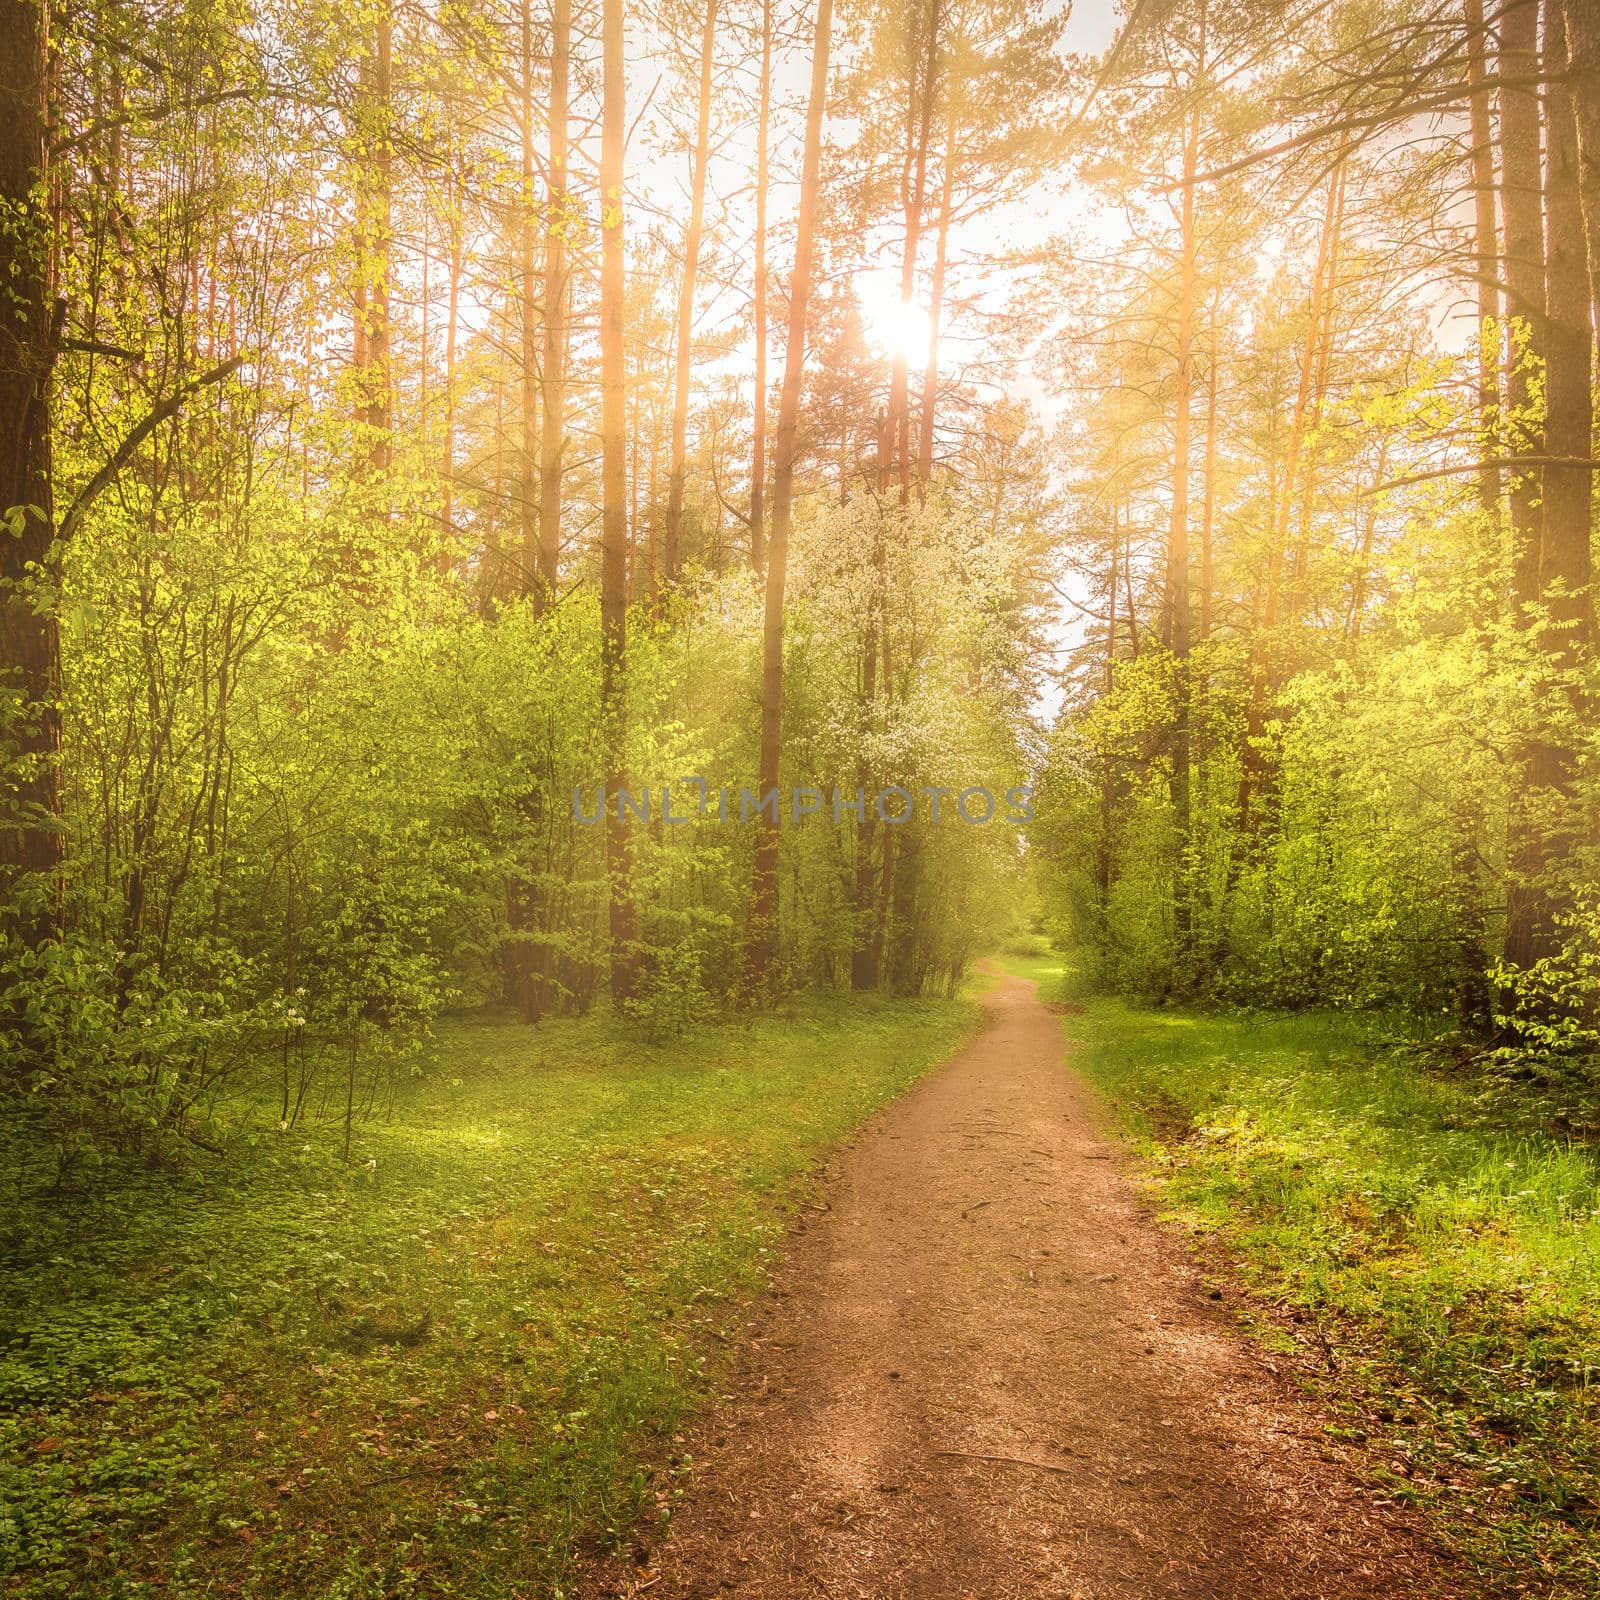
(1423, 1250)
(307, 808)
(1352, 791)
(672, 997)
(432, 1370)
(1553, 1006)
(318, 744)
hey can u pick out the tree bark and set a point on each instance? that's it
(764, 895)
(1176, 610)
(614, 500)
(673, 551)
(447, 454)
(758, 427)
(1208, 514)
(1544, 830)
(1255, 763)
(635, 462)
(1306, 398)
(896, 452)
(1102, 855)
(1369, 529)
(1522, 188)
(652, 497)
(1529, 927)
(1486, 257)
(930, 373)
(1565, 560)
(1323, 332)
(552, 436)
(529, 484)
(1583, 78)
(489, 574)
(30, 834)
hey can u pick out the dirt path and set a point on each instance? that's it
(983, 1278)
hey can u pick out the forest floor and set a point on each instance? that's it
(435, 1368)
(1322, 1299)
(986, 1371)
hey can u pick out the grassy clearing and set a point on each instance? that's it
(1428, 1251)
(436, 1369)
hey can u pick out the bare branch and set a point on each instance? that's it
(123, 454)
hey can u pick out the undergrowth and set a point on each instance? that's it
(1426, 1248)
(435, 1369)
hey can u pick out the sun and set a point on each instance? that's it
(893, 326)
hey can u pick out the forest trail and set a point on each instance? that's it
(981, 1279)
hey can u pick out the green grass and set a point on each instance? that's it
(435, 1370)
(1423, 1250)
(1048, 969)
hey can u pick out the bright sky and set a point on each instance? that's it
(661, 98)
(663, 182)
(662, 179)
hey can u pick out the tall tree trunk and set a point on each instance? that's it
(1369, 529)
(1129, 610)
(528, 910)
(904, 965)
(874, 890)
(1528, 913)
(1308, 397)
(1176, 610)
(914, 183)
(758, 427)
(672, 554)
(652, 540)
(552, 436)
(529, 486)
(863, 967)
(378, 242)
(1544, 830)
(1257, 772)
(930, 373)
(1521, 210)
(883, 892)
(614, 499)
(1255, 764)
(311, 322)
(425, 361)
(489, 564)
(1102, 858)
(1583, 78)
(1319, 392)
(1109, 675)
(447, 461)
(635, 463)
(1486, 259)
(1565, 559)
(1208, 513)
(30, 836)
(764, 894)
